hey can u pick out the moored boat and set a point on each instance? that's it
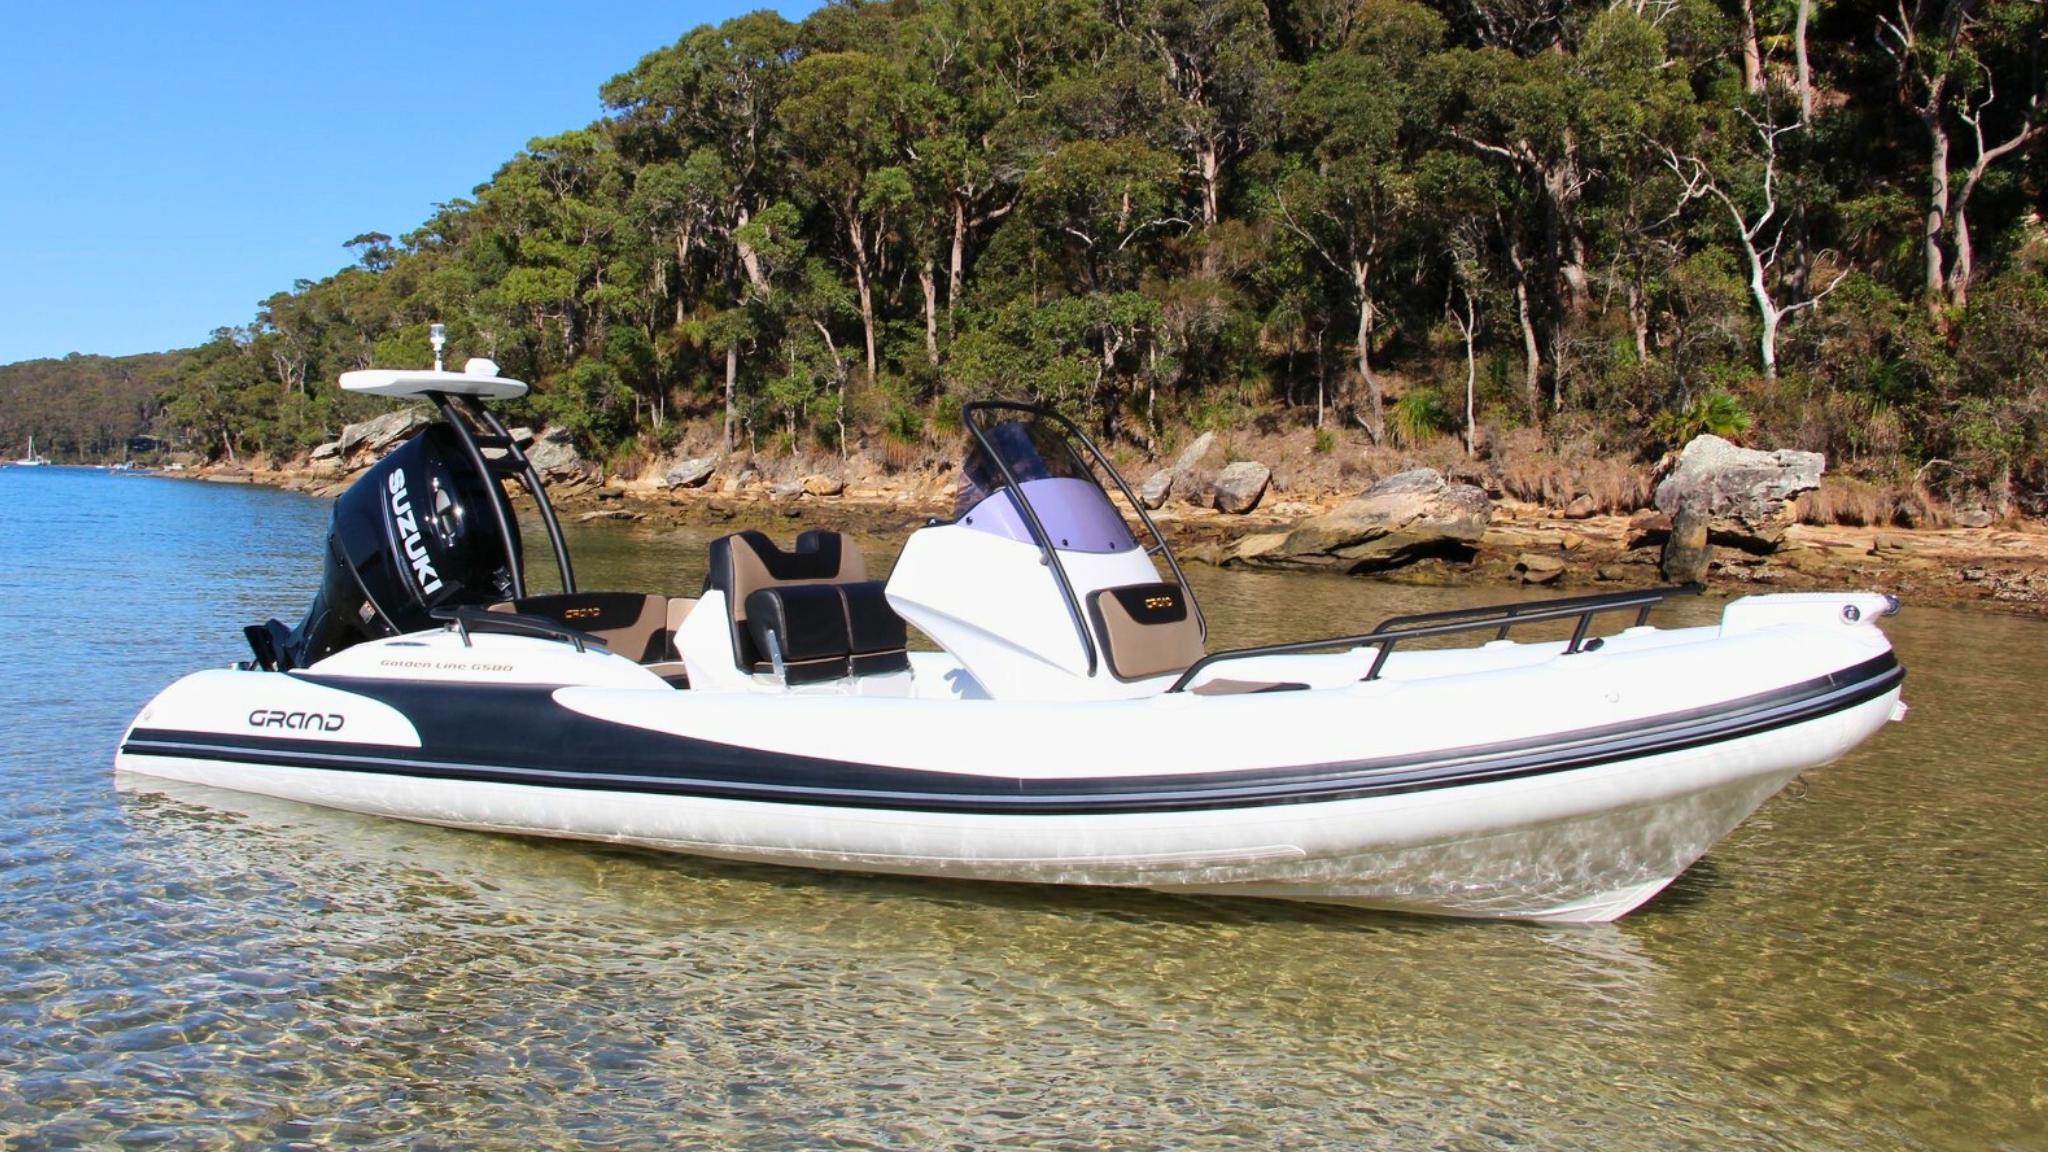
(1071, 727)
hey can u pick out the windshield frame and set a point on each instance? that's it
(1070, 434)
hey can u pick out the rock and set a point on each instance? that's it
(1256, 547)
(554, 454)
(1609, 573)
(1240, 486)
(1536, 568)
(1745, 495)
(1397, 521)
(1685, 549)
(1972, 574)
(822, 485)
(691, 473)
(789, 491)
(1581, 508)
(1974, 518)
(381, 433)
(1572, 542)
(328, 451)
(1193, 453)
(719, 510)
(1647, 520)
(609, 514)
(1154, 491)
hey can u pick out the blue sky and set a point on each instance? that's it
(165, 167)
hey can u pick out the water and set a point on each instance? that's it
(1860, 966)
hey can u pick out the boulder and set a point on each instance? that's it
(554, 454)
(691, 473)
(1686, 552)
(1536, 568)
(328, 451)
(1240, 486)
(1582, 507)
(1397, 521)
(1975, 518)
(381, 433)
(822, 485)
(1154, 491)
(1744, 495)
(1193, 453)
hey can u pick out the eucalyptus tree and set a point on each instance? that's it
(846, 119)
(1348, 191)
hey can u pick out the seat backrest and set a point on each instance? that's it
(743, 563)
(631, 624)
(1146, 630)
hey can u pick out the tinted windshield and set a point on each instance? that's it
(1077, 515)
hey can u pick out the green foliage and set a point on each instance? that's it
(1195, 212)
(1716, 413)
(1419, 416)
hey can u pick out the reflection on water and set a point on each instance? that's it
(1858, 967)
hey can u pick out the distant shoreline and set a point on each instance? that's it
(2000, 568)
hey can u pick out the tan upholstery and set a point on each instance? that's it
(1146, 630)
(744, 563)
(631, 624)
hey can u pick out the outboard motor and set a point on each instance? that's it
(414, 534)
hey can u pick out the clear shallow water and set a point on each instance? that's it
(1859, 966)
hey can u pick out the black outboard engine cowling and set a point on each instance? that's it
(416, 533)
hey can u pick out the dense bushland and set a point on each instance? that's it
(1607, 226)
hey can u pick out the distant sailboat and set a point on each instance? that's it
(31, 460)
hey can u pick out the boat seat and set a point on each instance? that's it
(825, 631)
(846, 627)
(638, 626)
(1145, 630)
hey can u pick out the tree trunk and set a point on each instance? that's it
(1377, 425)
(955, 272)
(1805, 80)
(1752, 54)
(858, 238)
(1937, 211)
(1532, 348)
(927, 280)
(732, 377)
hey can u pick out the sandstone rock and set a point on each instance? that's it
(1974, 518)
(1572, 542)
(1686, 551)
(1193, 453)
(1536, 568)
(328, 451)
(789, 491)
(609, 514)
(1154, 491)
(1240, 486)
(1581, 508)
(822, 485)
(554, 454)
(1609, 573)
(1745, 495)
(381, 433)
(1401, 519)
(691, 473)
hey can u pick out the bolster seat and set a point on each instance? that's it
(828, 619)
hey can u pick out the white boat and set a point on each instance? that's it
(31, 460)
(1070, 728)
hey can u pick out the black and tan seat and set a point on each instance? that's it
(641, 627)
(1145, 630)
(812, 607)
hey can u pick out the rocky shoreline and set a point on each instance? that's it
(1415, 526)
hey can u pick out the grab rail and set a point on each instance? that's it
(1497, 617)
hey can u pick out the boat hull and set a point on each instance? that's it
(1582, 827)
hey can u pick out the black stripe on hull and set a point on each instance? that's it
(519, 735)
